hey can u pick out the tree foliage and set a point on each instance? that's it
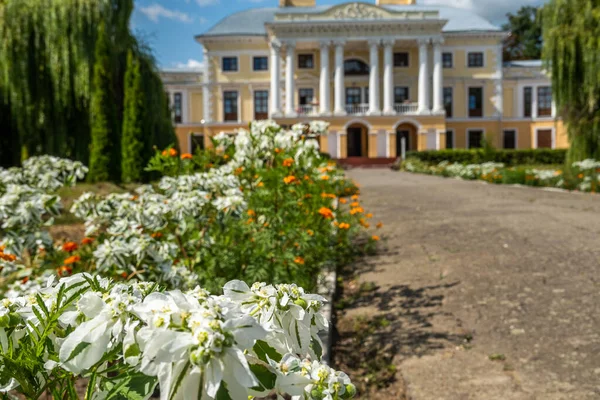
(572, 55)
(525, 40)
(47, 60)
(132, 145)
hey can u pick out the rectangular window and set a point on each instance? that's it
(230, 105)
(544, 103)
(401, 59)
(177, 108)
(475, 139)
(260, 63)
(527, 101)
(509, 139)
(448, 101)
(475, 102)
(306, 61)
(401, 94)
(447, 60)
(449, 139)
(230, 64)
(197, 141)
(475, 60)
(353, 95)
(544, 139)
(306, 96)
(261, 104)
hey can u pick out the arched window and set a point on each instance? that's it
(355, 67)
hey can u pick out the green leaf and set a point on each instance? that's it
(262, 350)
(316, 346)
(223, 393)
(265, 377)
(78, 349)
(135, 387)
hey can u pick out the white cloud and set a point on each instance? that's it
(492, 10)
(203, 20)
(191, 64)
(205, 3)
(155, 12)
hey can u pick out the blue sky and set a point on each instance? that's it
(169, 26)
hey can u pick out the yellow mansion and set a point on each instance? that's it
(387, 77)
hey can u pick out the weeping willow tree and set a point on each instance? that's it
(571, 31)
(47, 57)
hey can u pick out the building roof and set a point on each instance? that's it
(252, 22)
(524, 64)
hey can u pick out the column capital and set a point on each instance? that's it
(325, 44)
(374, 42)
(275, 44)
(423, 41)
(339, 42)
(437, 41)
(290, 43)
(388, 42)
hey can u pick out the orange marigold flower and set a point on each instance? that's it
(326, 212)
(260, 184)
(251, 213)
(250, 220)
(310, 232)
(369, 215)
(356, 210)
(299, 260)
(344, 225)
(124, 275)
(343, 201)
(186, 156)
(266, 224)
(354, 197)
(165, 153)
(2, 247)
(69, 247)
(72, 260)
(25, 280)
(156, 235)
(8, 257)
(307, 196)
(64, 270)
(580, 176)
(306, 177)
(87, 240)
(375, 238)
(278, 150)
(289, 179)
(355, 204)
(324, 177)
(288, 162)
(172, 152)
(379, 225)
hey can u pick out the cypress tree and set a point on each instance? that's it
(102, 114)
(132, 141)
(571, 53)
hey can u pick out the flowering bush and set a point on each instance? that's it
(129, 338)
(583, 175)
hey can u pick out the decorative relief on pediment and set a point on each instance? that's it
(358, 11)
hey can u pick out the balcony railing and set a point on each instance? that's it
(357, 109)
(308, 109)
(406, 108)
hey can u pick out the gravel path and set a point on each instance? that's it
(491, 292)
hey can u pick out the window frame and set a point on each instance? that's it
(482, 53)
(255, 58)
(359, 94)
(237, 107)
(398, 53)
(307, 55)
(191, 141)
(237, 64)
(255, 102)
(527, 106)
(407, 88)
(451, 54)
(453, 138)
(547, 111)
(178, 107)
(451, 88)
(544, 128)
(306, 89)
(471, 130)
(516, 138)
(482, 88)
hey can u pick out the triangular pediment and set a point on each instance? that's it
(356, 11)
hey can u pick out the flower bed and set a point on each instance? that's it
(583, 176)
(263, 206)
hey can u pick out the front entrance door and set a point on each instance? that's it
(354, 142)
(402, 134)
(544, 139)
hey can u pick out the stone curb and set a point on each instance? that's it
(326, 288)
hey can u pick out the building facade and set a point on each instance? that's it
(387, 76)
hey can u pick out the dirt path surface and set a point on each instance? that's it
(482, 292)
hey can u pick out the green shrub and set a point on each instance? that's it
(507, 157)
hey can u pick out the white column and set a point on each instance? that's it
(388, 77)
(534, 102)
(438, 77)
(374, 104)
(206, 110)
(290, 103)
(324, 86)
(423, 77)
(275, 74)
(340, 103)
(499, 98)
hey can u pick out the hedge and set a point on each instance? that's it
(508, 157)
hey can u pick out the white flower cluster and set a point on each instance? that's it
(471, 171)
(46, 173)
(587, 165)
(247, 342)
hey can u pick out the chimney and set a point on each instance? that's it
(395, 2)
(297, 3)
